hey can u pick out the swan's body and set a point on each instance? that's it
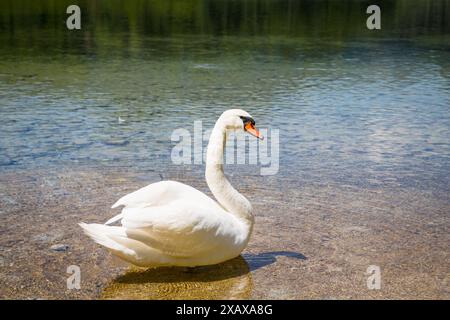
(169, 223)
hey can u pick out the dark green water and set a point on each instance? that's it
(353, 106)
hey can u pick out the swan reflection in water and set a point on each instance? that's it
(228, 280)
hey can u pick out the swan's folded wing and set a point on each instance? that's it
(159, 194)
(182, 228)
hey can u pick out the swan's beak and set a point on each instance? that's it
(250, 128)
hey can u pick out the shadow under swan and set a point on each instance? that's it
(228, 280)
(256, 261)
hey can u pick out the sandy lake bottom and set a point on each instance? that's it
(309, 241)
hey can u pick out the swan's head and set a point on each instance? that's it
(237, 119)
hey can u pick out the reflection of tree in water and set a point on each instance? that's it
(337, 19)
(133, 26)
(229, 280)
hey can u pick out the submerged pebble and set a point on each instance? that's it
(59, 247)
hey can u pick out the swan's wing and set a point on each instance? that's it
(159, 194)
(183, 228)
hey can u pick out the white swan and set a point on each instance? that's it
(169, 223)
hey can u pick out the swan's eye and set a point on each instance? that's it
(246, 120)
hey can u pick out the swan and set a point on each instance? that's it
(169, 223)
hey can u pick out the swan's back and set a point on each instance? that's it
(160, 193)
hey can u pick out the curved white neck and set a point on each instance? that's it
(226, 195)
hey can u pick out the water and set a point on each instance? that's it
(355, 108)
(362, 112)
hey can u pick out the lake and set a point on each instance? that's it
(363, 118)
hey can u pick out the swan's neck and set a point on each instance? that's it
(226, 195)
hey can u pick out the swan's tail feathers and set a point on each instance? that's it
(107, 236)
(116, 240)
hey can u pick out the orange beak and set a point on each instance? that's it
(250, 128)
